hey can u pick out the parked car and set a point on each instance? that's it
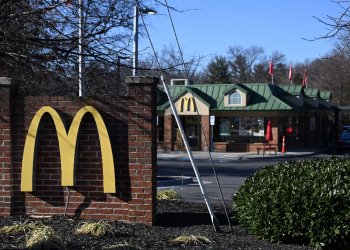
(344, 140)
(346, 128)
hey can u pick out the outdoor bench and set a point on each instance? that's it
(266, 147)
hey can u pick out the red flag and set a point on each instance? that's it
(269, 132)
(305, 79)
(290, 76)
(271, 68)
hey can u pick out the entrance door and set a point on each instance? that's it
(192, 131)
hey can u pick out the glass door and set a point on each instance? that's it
(192, 131)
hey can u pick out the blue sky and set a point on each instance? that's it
(209, 27)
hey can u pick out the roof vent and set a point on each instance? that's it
(185, 82)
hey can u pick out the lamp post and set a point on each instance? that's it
(137, 11)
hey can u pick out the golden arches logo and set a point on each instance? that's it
(67, 146)
(187, 104)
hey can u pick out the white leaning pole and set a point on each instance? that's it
(81, 49)
(189, 152)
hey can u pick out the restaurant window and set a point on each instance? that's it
(240, 129)
(290, 128)
(235, 98)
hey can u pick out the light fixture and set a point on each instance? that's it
(138, 10)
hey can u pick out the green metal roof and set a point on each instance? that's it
(294, 90)
(260, 96)
(235, 86)
(325, 94)
(311, 92)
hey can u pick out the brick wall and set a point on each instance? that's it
(131, 124)
(5, 147)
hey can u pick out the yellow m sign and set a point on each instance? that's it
(67, 145)
(187, 104)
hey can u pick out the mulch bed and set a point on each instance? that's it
(174, 219)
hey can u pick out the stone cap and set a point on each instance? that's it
(141, 80)
(5, 81)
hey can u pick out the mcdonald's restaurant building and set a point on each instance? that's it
(234, 117)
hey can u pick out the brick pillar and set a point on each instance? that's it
(5, 147)
(142, 140)
(205, 133)
(168, 132)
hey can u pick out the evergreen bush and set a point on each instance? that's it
(305, 202)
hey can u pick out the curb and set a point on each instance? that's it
(166, 181)
(240, 157)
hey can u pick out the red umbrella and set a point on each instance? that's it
(268, 132)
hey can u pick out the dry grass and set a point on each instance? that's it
(44, 237)
(18, 228)
(191, 239)
(122, 246)
(169, 194)
(95, 229)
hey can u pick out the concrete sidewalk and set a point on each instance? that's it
(219, 156)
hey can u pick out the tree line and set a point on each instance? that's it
(39, 48)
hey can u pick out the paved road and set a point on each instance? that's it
(231, 174)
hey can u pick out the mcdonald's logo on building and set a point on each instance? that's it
(187, 104)
(67, 146)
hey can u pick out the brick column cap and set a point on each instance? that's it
(141, 80)
(5, 81)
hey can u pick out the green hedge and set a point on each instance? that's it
(305, 202)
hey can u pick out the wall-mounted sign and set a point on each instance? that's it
(67, 145)
(187, 104)
(212, 120)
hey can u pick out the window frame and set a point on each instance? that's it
(235, 97)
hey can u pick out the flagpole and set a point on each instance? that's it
(271, 70)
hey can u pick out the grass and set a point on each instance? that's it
(18, 228)
(191, 239)
(44, 237)
(122, 246)
(95, 229)
(169, 194)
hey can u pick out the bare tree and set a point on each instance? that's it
(39, 41)
(336, 25)
(173, 65)
(333, 73)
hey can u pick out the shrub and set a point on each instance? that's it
(302, 202)
(170, 194)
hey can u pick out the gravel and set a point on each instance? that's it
(173, 219)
